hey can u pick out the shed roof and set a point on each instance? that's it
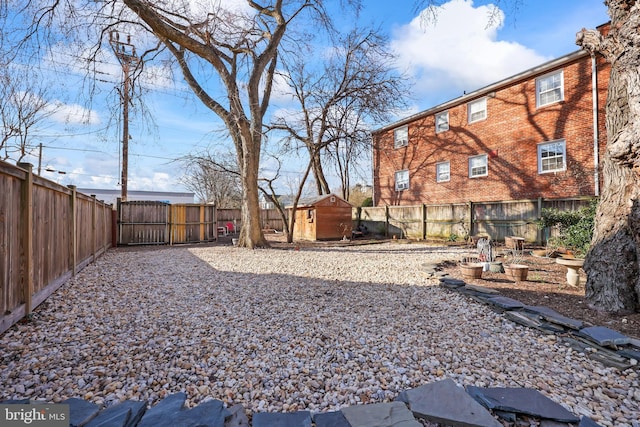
(307, 203)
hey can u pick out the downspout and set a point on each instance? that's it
(373, 174)
(596, 136)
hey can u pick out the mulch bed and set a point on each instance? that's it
(546, 285)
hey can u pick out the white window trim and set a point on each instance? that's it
(438, 173)
(539, 79)
(401, 185)
(564, 156)
(442, 114)
(486, 162)
(477, 101)
(400, 143)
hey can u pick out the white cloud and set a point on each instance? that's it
(460, 50)
(72, 114)
(152, 181)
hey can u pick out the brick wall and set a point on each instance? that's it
(509, 136)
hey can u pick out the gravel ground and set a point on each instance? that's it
(284, 330)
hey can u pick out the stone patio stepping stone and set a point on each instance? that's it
(506, 303)
(604, 336)
(238, 417)
(444, 402)
(531, 320)
(482, 289)
(521, 400)
(604, 355)
(331, 419)
(588, 422)
(275, 419)
(393, 414)
(452, 283)
(554, 316)
(80, 411)
(629, 352)
(170, 412)
(125, 414)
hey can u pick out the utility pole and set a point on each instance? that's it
(126, 54)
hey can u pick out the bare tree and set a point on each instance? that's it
(357, 82)
(241, 47)
(613, 262)
(24, 105)
(214, 178)
(227, 53)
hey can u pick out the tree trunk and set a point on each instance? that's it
(612, 264)
(251, 235)
(318, 173)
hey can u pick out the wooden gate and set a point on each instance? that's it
(192, 223)
(160, 223)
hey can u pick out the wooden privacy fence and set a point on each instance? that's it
(269, 218)
(443, 221)
(48, 232)
(160, 223)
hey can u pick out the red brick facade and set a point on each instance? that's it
(509, 136)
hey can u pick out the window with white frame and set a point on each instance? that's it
(552, 156)
(443, 170)
(549, 89)
(477, 110)
(478, 166)
(401, 137)
(442, 121)
(402, 180)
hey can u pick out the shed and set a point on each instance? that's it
(323, 218)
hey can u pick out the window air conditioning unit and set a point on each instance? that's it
(403, 185)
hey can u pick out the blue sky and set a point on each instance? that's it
(458, 53)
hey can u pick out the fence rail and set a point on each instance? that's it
(48, 232)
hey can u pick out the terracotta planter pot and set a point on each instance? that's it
(471, 270)
(517, 272)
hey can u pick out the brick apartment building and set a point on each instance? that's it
(539, 133)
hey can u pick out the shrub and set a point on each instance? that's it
(368, 202)
(575, 227)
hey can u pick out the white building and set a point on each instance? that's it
(111, 196)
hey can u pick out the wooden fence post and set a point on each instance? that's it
(539, 236)
(424, 221)
(202, 222)
(26, 213)
(73, 229)
(386, 220)
(119, 219)
(471, 231)
(93, 228)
